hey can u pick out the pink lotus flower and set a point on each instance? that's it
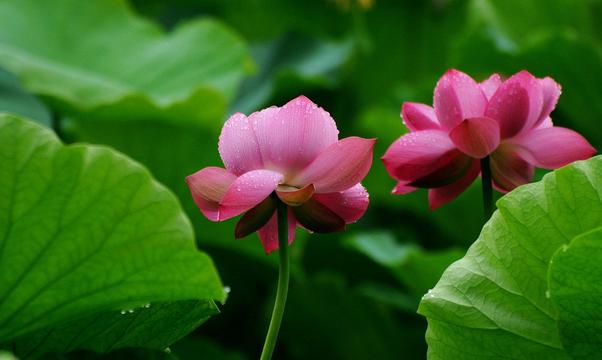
(291, 153)
(509, 121)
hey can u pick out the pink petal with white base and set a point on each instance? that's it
(248, 190)
(551, 148)
(350, 204)
(442, 195)
(268, 234)
(457, 97)
(516, 104)
(238, 146)
(476, 137)
(339, 167)
(419, 116)
(292, 136)
(490, 85)
(417, 154)
(208, 187)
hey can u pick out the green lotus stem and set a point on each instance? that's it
(487, 188)
(283, 279)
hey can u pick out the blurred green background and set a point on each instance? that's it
(162, 101)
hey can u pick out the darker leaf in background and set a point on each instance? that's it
(15, 100)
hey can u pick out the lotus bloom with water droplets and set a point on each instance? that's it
(507, 121)
(290, 154)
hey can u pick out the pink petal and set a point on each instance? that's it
(547, 123)
(551, 148)
(516, 104)
(238, 146)
(292, 136)
(340, 166)
(551, 92)
(442, 195)
(268, 234)
(316, 217)
(419, 116)
(457, 97)
(208, 187)
(417, 154)
(508, 170)
(255, 218)
(350, 204)
(451, 169)
(490, 85)
(403, 188)
(476, 137)
(248, 190)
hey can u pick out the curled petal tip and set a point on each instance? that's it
(208, 187)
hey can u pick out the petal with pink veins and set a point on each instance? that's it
(339, 167)
(554, 147)
(551, 92)
(516, 104)
(418, 116)
(238, 146)
(292, 136)
(457, 97)
(442, 195)
(208, 187)
(476, 137)
(417, 154)
(489, 86)
(268, 234)
(247, 191)
(508, 170)
(350, 204)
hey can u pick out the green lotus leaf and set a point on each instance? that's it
(84, 229)
(494, 303)
(100, 59)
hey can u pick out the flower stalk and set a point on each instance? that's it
(487, 188)
(283, 280)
